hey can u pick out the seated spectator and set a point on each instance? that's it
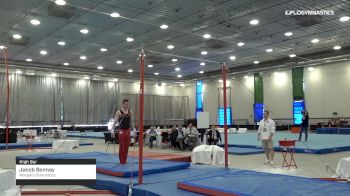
(191, 136)
(173, 136)
(213, 136)
(152, 136)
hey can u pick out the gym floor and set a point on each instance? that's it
(309, 165)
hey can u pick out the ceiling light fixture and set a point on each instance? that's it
(17, 36)
(84, 31)
(60, 2)
(99, 67)
(130, 70)
(206, 36)
(86, 77)
(344, 18)
(103, 49)
(256, 62)
(292, 55)
(2, 47)
(170, 47)
(83, 57)
(156, 73)
(29, 60)
(115, 15)
(65, 64)
(246, 77)
(174, 60)
(311, 68)
(164, 26)
(201, 72)
(129, 39)
(239, 44)
(202, 64)
(337, 47)
(269, 50)
(150, 66)
(177, 69)
(204, 52)
(288, 34)
(61, 43)
(35, 22)
(179, 76)
(119, 62)
(53, 75)
(314, 41)
(232, 58)
(254, 21)
(43, 52)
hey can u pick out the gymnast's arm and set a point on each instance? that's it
(116, 118)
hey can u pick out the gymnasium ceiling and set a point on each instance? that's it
(227, 21)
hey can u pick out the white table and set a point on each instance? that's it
(63, 133)
(23, 140)
(211, 155)
(30, 132)
(343, 169)
(8, 183)
(65, 144)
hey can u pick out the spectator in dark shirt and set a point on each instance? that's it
(213, 136)
(304, 125)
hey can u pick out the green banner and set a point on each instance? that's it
(258, 88)
(298, 80)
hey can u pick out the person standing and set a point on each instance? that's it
(266, 131)
(124, 118)
(304, 125)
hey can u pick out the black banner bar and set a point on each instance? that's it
(55, 182)
(56, 161)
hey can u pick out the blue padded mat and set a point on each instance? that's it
(244, 182)
(333, 130)
(94, 135)
(109, 163)
(317, 143)
(36, 145)
(156, 184)
(244, 151)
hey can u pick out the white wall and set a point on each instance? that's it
(327, 90)
(278, 94)
(242, 98)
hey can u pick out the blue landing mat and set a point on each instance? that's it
(244, 182)
(333, 130)
(316, 144)
(160, 184)
(94, 135)
(109, 164)
(36, 145)
(244, 151)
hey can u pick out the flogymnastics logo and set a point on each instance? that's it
(309, 12)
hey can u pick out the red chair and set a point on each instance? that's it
(288, 148)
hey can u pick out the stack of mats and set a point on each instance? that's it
(244, 151)
(243, 182)
(109, 163)
(163, 156)
(36, 145)
(316, 144)
(333, 130)
(93, 135)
